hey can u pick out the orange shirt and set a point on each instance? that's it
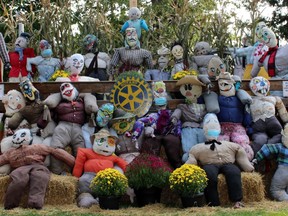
(89, 161)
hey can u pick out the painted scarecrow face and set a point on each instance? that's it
(163, 61)
(124, 124)
(90, 43)
(191, 91)
(68, 92)
(159, 88)
(28, 90)
(211, 126)
(260, 86)
(45, 48)
(134, 13)
(258, 30)
(202, 48)
(215, 67)
(226, 84)
(177, 52)
(13, 102)
(104, 143)
(22, 137)
(75, 64)
(131, 37)
(104, 114)
(21, 42)
(268, 37)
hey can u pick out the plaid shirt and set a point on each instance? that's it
(3, 51)
(270, 150)
(31, 154)
(131, 57)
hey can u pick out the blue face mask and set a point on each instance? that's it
(213, 133)
(46, 53)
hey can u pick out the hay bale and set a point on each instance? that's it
(252, 186)
(61, 190)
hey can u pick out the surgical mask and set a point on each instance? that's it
(213, 133)
(46, 53)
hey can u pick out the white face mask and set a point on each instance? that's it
(75, 64)
(177, 52)
(21, 137)
(258, 30)
(260, 86)
(68, 91)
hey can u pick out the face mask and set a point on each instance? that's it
(213, 133)
(46, 53)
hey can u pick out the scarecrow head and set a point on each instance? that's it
(45, 48)
(215, 67)
(22, 41)
(123, 121)
(22, 137)
(268, 37)
(29, 91)
(163, 59)
(134, 13)
(260, 86)
(226, 84)
(68, 92)
(75, 64)
(190, 88)
(13, 102)
(211, 126)
(90, 43)
(103, 142)
(177, 51)
(104, 114)
(131, 37)
(258, 30)
(202, 48)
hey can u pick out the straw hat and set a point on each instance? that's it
(121, 114)
(189, 79)
(103, 133)
(225, 76)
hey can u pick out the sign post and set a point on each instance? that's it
(133, 3)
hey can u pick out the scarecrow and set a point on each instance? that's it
(90, 161)
(132, 57)
(70, 109)
(18, 59)
(235, 121)
(177, 51)
(192, 112)
(45, 64)
(216, 157)
(135, 22)
(27, 162)
(266, 126)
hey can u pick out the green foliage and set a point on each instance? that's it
(146, 171)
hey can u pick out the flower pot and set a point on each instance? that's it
(145, 196)
(109, 202)
(197, 200)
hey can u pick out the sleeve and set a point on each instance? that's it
(281, 109)
(241, 52)
(30, 62)
(79, 163)
(114, 61)
(149, 60)
(267, 151)
(4, 159)
(248, 120)
(192, 157)
(121, 163)
(144, 25)
(242, 159)
(62, 155)
(147, 75)
(256, 68)
(3, 50)
(124, 27)
(176, 114)
(31, 54)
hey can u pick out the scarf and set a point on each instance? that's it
(212, 142)
(74, 77)
(93, 65)
(271, 61)
(20, 51)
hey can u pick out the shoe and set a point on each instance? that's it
(238, 205)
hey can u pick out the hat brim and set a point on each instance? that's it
(189, 79)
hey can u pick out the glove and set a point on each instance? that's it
(174, 121)
(7, 66)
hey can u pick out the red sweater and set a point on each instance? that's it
(89, 161)
(19, 66)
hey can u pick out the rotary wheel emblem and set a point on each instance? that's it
(132, 94)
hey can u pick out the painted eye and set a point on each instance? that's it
(23, 134)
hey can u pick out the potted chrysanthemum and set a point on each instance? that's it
(109, 185)
(147, 174)
(180, 74)
(189, 182)
(59, 73)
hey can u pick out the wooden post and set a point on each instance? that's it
(133, 3)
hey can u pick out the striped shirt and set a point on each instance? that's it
(3, 51)
(131, 57)
(269, 150)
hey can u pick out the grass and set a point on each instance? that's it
(265, 208)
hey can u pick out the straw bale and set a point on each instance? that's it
(61, 190)
(252, 186)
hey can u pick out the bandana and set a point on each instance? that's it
(271, 61)
(212, 142)
(20, 51)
